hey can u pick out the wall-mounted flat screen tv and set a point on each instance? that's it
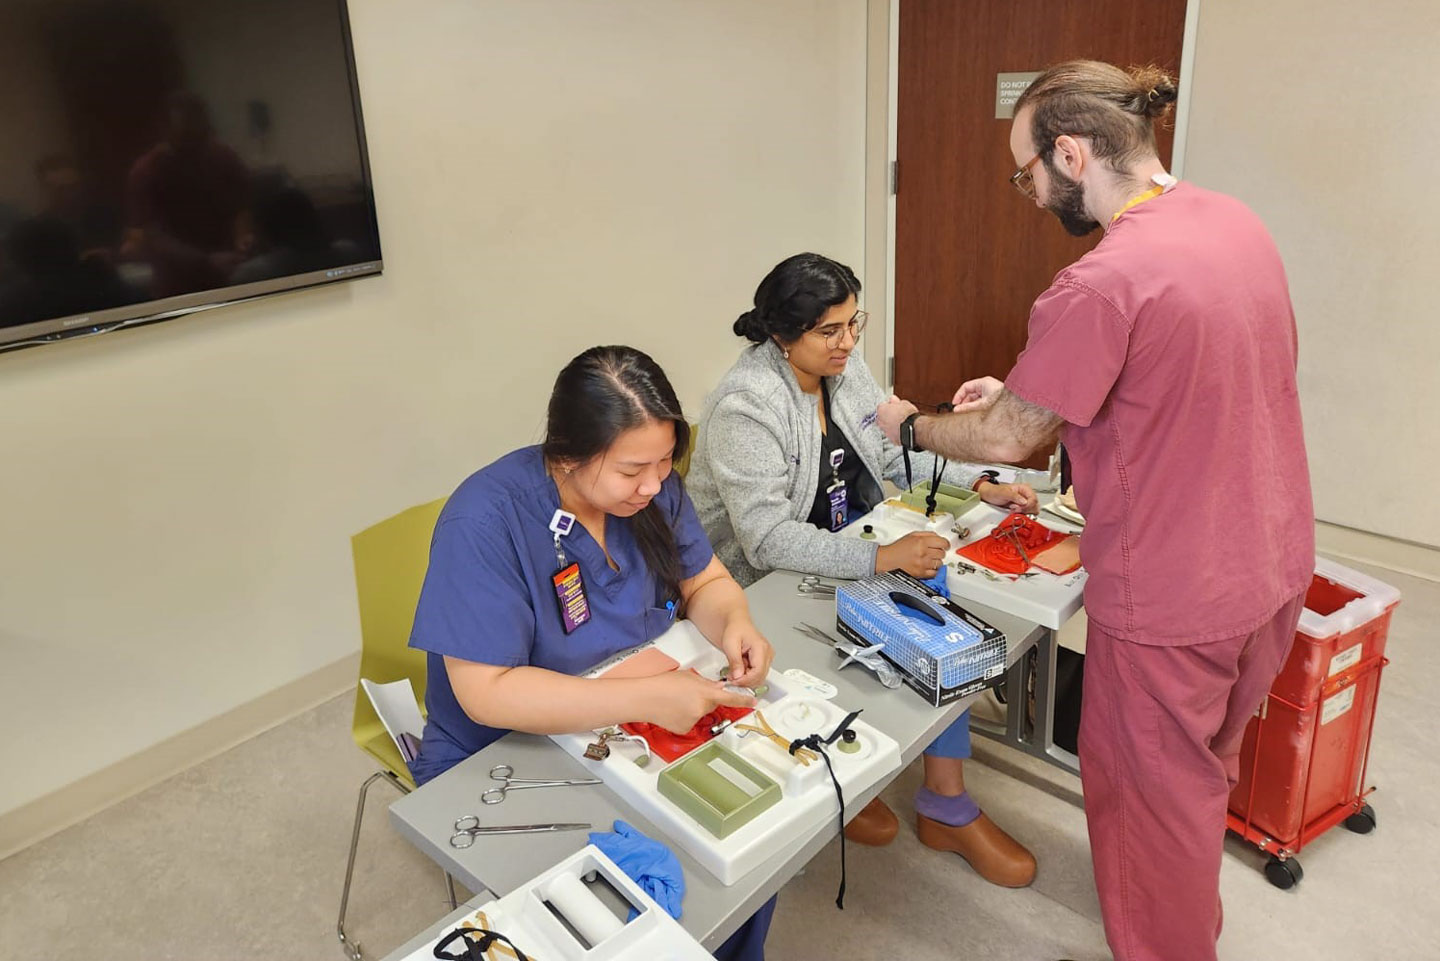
(164, 156)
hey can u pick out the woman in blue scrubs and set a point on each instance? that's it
(503, 657)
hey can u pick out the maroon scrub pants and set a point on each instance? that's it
(1160, 734)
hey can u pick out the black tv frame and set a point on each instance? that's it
(126, 316)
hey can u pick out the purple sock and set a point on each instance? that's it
(956, 810)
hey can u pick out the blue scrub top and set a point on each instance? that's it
(488, 596)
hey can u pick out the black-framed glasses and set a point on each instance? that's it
(1023, 179)
(834, 333)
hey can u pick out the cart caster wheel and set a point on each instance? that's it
(1283, 874)
(1362, 821)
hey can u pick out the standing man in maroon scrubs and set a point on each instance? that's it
(1165, 359)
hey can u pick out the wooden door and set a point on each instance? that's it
(971, 254)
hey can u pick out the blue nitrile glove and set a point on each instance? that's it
(938, 583)
(649, 864)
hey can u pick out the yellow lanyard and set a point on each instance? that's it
(1139, 199)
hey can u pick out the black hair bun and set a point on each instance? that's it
(749, 326)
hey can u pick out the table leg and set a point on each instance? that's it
(1037, 740)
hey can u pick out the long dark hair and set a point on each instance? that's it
(794, 296)
(599, 396)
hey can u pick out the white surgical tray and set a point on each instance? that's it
(808, 796)
(1047, 599)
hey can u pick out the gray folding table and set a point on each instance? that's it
(712, 911)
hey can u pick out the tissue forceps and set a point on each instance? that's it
(468, 827)
(504, 773)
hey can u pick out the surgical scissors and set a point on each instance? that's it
(504, 773)
(812, 586)
(468, 827)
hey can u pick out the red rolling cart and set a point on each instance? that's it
(1305, 756)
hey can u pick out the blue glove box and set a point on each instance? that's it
(944, 653)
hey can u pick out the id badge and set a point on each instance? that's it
(839, 505)
(570, 595)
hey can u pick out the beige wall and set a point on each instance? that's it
(1321, 117)
(177, 500)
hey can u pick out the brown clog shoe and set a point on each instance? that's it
(875, 825)
(995, 855)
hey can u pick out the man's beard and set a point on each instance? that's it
(1067, 202)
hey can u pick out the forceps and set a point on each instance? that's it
(468, 827)
(812, 586)
(504, 773)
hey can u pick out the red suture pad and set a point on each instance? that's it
(672, 747)
(1000, 551)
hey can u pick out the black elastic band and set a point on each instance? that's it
(935, 477)
(815, 743)
(475, 950)
(938, 472)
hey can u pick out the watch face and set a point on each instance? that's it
(907, 432)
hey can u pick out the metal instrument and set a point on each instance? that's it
(961, 567)
(1010, 530)
(812, 586)
(867, 657)
(468, 828)
(504, 773)
(600, 749)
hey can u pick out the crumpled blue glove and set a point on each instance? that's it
(649, 864)
(938, 583)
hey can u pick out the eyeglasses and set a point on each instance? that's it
(1023, 179)
(834, 333)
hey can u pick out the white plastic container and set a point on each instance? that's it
(524, 917)
(1376, 598)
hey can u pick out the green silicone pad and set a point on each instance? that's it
(951, 499)
(718, 788)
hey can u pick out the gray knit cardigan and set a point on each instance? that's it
(756, 465)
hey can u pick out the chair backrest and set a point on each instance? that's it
(682, 466)
(390, 562)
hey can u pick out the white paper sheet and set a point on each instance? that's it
(395, 703)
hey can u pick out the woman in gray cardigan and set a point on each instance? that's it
(787, 453)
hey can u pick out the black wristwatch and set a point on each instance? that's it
(907, 433)
(992, 476)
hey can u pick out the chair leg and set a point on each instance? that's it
(350, 947)
(450, 890)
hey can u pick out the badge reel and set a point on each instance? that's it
(569, 585)
(839, 503)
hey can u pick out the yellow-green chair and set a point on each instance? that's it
(682, 465)
(390, 562)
